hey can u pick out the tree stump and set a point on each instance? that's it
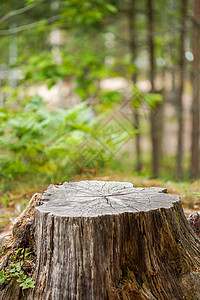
(99, 240)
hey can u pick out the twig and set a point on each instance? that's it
(29, 26)
(19, 11)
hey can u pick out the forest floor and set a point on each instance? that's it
(13, 202)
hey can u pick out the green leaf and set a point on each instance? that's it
(32, 284)
(111, 8)
(12, 270)
(29, 280)
(23, 285)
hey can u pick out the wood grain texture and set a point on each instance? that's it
(96, 198)
(98, 240)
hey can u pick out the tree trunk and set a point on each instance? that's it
(181, 86)
(156, 114)
(133, 50)
(194, 171)
(107, 240)
(137, 141)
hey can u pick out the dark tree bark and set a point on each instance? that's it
(133, 50)
(137, 141)
(107, 240)
(181, 87)
(194, 170)
(156, 114)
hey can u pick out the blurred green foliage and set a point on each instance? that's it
(34, 139)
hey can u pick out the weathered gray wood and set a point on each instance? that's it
(97, 198)
(98, 240)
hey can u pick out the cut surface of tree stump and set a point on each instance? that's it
(108, 240)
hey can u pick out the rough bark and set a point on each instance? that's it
(194, 221)
(9, 239)
(194, 171)
(107, 240)
(20, 235)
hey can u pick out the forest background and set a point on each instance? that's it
(91, 89)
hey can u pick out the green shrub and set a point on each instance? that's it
(35, 139)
